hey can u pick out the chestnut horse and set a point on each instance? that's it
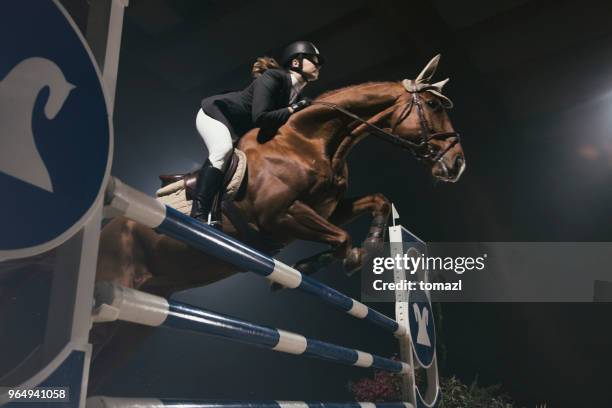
(296, 183)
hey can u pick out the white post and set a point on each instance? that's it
(402, 315)
(401, 310)
(104, 29)
(105, 25)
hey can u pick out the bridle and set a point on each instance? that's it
(423, 150)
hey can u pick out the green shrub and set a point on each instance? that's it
(456, 394)
(385, 387)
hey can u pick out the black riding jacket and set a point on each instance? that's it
(263, 104)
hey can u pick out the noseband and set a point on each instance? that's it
(422, 150)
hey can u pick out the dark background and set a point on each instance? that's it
(532, 86)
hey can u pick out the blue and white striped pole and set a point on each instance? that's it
(114, 302)
(108, 402)
(148, 211)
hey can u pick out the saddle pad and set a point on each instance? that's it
(174, 195)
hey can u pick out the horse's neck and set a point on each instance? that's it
(369, 101)
(364, 98)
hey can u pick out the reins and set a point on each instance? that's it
(426, 134)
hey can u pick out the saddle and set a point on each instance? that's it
(178, 190)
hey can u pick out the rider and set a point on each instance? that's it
(266, 103)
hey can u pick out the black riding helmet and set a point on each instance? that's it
(299, 50)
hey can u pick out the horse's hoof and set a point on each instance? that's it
(315, 263)
(352, 263)
(305, 268)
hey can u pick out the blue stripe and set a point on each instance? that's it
(382, 320)
(213, 242)
(335, 405)
(331, 352)
(176, 403)
(189, 318)
(330, 295)
(386, 364)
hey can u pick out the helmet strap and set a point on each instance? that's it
(300, 68)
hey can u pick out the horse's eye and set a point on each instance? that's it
(434, 104)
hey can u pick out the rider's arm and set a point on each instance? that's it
(264, 90)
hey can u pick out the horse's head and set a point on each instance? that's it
(421, 123)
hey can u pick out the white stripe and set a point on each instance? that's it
(290, 343)
(285, 275)
(131, 305)
(401, 331)
(358, 310)
(143, 308)
(367, 404)
(107, 402)
(405, 368)
(292, 404)
(134, 204)
(395, 234)
(363, 359)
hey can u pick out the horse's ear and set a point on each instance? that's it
(440, 85)
(429, 71)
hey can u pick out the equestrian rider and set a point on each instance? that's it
(266, 103)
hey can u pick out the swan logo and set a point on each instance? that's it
(55, 132)
(18, 145)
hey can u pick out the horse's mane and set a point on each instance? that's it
(334, 92)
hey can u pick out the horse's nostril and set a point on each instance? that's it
(459, 161)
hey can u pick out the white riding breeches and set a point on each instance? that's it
(217, 138)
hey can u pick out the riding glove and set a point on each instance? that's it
(298, 106)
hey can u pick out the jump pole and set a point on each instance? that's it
(114, 302)
(107, 402)
(122, 199)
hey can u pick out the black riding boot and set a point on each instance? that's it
(210, 180)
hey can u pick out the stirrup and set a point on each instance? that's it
(216, 224)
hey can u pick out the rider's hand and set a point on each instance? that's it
(298, 106)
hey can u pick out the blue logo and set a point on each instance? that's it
(55, 136)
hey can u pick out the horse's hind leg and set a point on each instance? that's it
(120, 341)
(121, 260)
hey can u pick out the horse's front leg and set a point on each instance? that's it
(346, 211)
(302, 222)
(377, 205)
(349, 209)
